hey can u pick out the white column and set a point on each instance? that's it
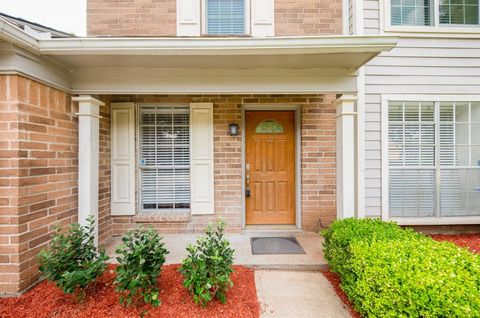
(88, 148)
(346, 156)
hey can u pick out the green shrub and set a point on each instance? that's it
(142, 255)
(208, 266)
(342, 233)
(72, 261)
(414, 278)
(387, 271)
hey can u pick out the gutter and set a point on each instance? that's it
(217, 46)
(16, 36)
(188, 46)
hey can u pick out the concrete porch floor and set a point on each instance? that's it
(311, 243)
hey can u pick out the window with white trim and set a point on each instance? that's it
(422, 12)
(225, 17)
(164, 153)
(434, 159)
(411, 12)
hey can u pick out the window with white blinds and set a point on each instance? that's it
(164, 151)
(411, 12)
(434, 159)
(425, 13)
(225, 17)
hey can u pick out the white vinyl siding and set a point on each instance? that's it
(225, 17)
(434, 162)
(164, 158)
(427, 67)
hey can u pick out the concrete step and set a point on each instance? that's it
(271, 230)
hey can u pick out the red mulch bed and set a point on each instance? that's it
(334, 279)
(46, 300)
(471, 241)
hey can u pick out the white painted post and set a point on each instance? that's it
(346, 156)
(88, 148)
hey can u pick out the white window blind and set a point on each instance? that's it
(412, 158)
(411, 12)
(225, 17)
(459, 11)
(164, 151)
(434, 159)
(459, 158)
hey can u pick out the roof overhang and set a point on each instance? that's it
(330, 55)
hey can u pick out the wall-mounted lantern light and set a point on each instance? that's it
(233, 128)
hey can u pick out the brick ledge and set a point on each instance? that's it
(162, 217)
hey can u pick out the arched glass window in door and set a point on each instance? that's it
(269, 126)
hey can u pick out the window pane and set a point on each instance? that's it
(428, 111)
(475, 134)
(475, 156)
(412, 192)
(453, 192)
(459, 12)
(461, 112)
(411, 12)
(446, 111)
(164, 146)
(460, 192)
(395, 111)
(225, 17)
(461, 134)
(474, 192)
(476, 113)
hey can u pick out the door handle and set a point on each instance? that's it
(247, 180)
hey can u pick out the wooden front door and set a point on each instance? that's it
(270, 167)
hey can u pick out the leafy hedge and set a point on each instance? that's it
(387, 271)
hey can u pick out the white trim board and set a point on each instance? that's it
(384, 99)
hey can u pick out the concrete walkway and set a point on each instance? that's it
(311, 243)
(297, 294)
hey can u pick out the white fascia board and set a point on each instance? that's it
(216, 46)
(196, 46)
(14, 35)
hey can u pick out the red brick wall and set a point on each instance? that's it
(104, 219)
(38, 169)
(317, 168)
(308, 17)
(158, 17)
(131, 17)
(318, 162)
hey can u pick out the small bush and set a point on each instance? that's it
(414, 278)
(387, 271)
(208, 266)
(342, 233)
(72, 261)
(142, 255)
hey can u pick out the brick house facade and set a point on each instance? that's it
(70, 112)
(158, 18)
(38, 183)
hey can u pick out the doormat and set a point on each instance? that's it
(275, 245)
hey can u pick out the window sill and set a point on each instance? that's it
(438, 31)
(162, 217)
(452, 220)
